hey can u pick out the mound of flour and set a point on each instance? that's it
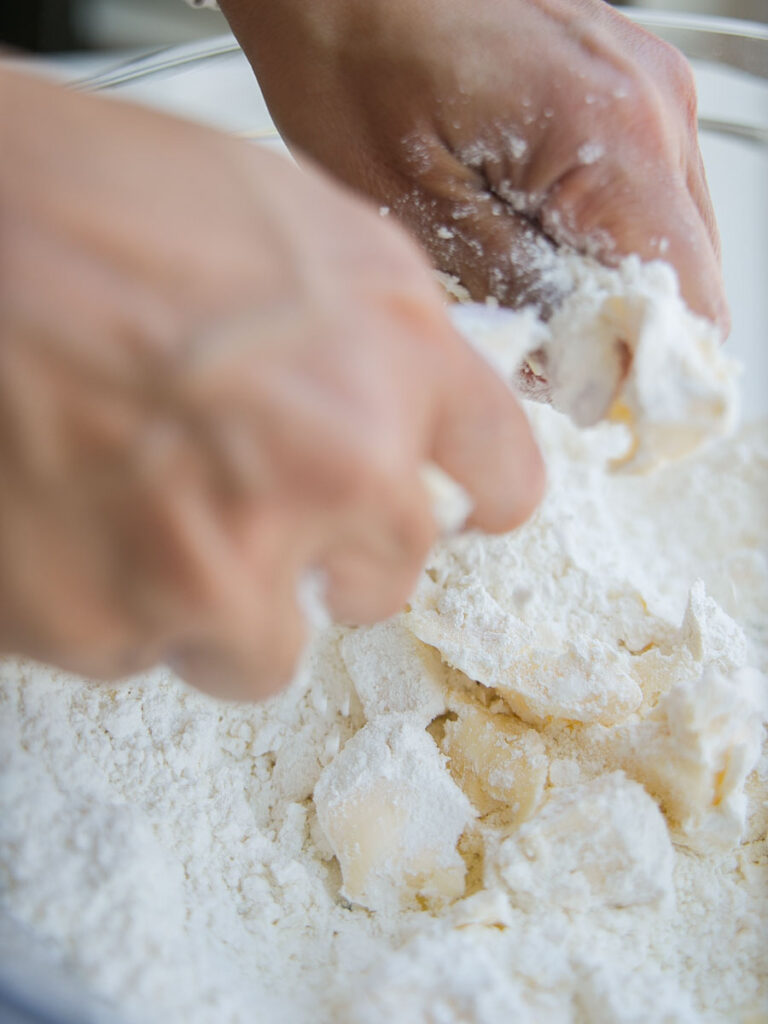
(539, 794)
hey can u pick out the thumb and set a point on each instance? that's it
(483, 440)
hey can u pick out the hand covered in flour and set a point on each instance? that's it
(494, 130)
(216, 372)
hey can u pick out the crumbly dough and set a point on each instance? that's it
(622, 346)
(694, 752)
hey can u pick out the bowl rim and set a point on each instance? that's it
(727, 42)
(731, 41)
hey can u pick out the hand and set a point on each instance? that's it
(216, 371)
(496, 129)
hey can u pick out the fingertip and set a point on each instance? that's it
(381, 599)
(484, 441)
(364, 587)
(535, 484)
(526, 484)
(250, 670)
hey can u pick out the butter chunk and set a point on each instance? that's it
(498, 761)
(710, 634)
(393, 672)
(582, 680)
(393, 817)
(695, 751)
(603, 843)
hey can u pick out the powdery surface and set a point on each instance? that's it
(169, 851)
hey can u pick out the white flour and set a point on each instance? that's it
(559, 817)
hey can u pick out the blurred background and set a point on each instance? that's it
(47, 26)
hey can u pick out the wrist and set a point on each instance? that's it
(273, 32)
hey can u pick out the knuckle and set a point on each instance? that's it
(368, 471)
(662, 60)
(682, 85)
(679, 70)
(653, 108)
(643, 107)
(348, 480)
(648, 125)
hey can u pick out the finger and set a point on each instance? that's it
(371, 578)
(225, 594)
(251, 644)
(362, 589)
(653, 216)
(483, 440)
(238, 667)
(493, 249)
(677, 86)
(64, 609)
